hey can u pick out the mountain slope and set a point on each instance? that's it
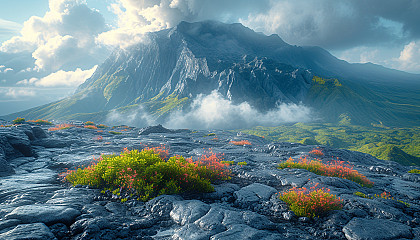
(172, 67)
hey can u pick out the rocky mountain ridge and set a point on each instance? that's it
(35, 204)
(170, 68)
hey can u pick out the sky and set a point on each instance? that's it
(48, 48)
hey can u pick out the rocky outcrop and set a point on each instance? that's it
(35, 205)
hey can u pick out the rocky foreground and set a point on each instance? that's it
(35, 204)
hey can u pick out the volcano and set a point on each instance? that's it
(170, 68)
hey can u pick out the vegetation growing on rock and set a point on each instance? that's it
(333, 169)
(311, 202)
(18, 120)
(148, 174)
(41, 122)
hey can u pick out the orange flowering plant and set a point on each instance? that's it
(317, 152)
(313, 202)
(240, 143)
(60, 127)
(332, 169)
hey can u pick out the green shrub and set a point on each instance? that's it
(210, 134)
(115, 133)
(384, 195)
(149, 175)
(311, 203)
(228, 162)
(242, 163)
(41, 122)
(18, 120)
(102, 126)
(414, 171)
(89, 123)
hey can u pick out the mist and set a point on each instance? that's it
(137, 118)
(213, 111)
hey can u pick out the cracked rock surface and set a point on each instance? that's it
(35, 204)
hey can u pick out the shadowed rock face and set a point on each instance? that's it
(35, 205)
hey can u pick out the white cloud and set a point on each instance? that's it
(30, 81)
(8, 28)
(8, 70)
(215, 112)
(18, 93)
(409, 59)
(138, 17)
(406, 58)
(62, 37)
(65, 78)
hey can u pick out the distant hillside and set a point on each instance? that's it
(172, 67)
(396, 144)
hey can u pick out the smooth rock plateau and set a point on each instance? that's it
(36, 204)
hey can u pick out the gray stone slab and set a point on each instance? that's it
(34, 231)
(375, 229)
(48, 214)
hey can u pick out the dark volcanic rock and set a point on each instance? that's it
(48, 214)
(158, 129)
(372, 229)
(246, 207)
(35, 231)
(5, 168)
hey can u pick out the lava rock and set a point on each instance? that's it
(253, 193)
(372, 229)
(188, 211)
(5, 168)
(34, 231)
(48, 214)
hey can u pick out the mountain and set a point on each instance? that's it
(170, 68)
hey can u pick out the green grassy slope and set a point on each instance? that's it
(396, 144)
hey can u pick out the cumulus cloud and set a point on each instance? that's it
(138, 17)
(406, 58)
(64, 78)
(65, 34)
(338, 24)
(27, 81)
(409, 59)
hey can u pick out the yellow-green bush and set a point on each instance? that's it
(18, 120)
(149, 175)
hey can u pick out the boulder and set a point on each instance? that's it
(253, 193)
(34, 231)
(375, 229)
(48, 214)
(188, 211)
